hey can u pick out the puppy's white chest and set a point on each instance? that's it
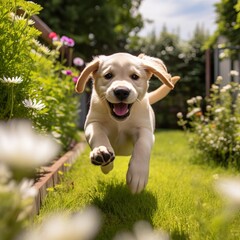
(122, 143)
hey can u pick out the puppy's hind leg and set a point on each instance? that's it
(138, 170)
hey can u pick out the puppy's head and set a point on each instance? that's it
(121, 79)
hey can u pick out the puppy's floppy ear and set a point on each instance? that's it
(157, 67)
(83, 78)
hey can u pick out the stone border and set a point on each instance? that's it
(51, 177)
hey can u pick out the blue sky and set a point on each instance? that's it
(178, 15)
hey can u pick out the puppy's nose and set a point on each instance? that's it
(121, 93)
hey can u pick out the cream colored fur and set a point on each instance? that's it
(120, 119)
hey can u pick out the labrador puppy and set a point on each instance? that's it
(120, 119)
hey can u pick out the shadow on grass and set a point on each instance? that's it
(176, 235)
(121, 209)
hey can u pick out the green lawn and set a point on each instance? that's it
(179, 197)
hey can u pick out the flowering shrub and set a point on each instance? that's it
(18, 161)
(216, 123)
(19, 158)
(32, 83)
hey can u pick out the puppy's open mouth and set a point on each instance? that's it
(120, 110)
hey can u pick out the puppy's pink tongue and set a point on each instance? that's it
(120, 109)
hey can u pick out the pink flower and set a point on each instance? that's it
(52, 35)
(75, 79)
(78, 62)
(55, 38)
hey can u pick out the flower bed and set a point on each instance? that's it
(33, 83)
(36, 86)
(19, 160)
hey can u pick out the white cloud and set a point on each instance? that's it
(181, 15)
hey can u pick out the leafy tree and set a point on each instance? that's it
(227, 15)
(228, 23)
(98, 26)
(195, 67)
(237, 7)
(184, 58)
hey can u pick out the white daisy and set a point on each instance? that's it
(226, 88)
(222, 55)
(208, 108)
(218, 81)
(218, 110)
(234, 73)
(142, 230)
(26, 189)
(21, 197)
(179, 115)
(82, 225)
(29, 103)
(36, 42)
(13, 80)
(199, 98)
(229, 188)
(22, 148)
(15, 17)
(191, 101)
(215, 87)
(27, 192)
(45, 50)
(194, 111)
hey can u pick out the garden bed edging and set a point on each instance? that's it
(52, 177)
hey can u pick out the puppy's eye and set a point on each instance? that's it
(108, 76)
(134, 76)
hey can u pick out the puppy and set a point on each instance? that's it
(120, 119)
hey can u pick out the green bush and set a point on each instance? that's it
(32, 82)
(216, 123)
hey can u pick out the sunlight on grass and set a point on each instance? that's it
(179, 197)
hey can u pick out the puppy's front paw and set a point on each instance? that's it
(137, 177)
(101, 156)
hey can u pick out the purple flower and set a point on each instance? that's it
(71, 42)
(67, 41)
(67, 72)
(64, 40)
